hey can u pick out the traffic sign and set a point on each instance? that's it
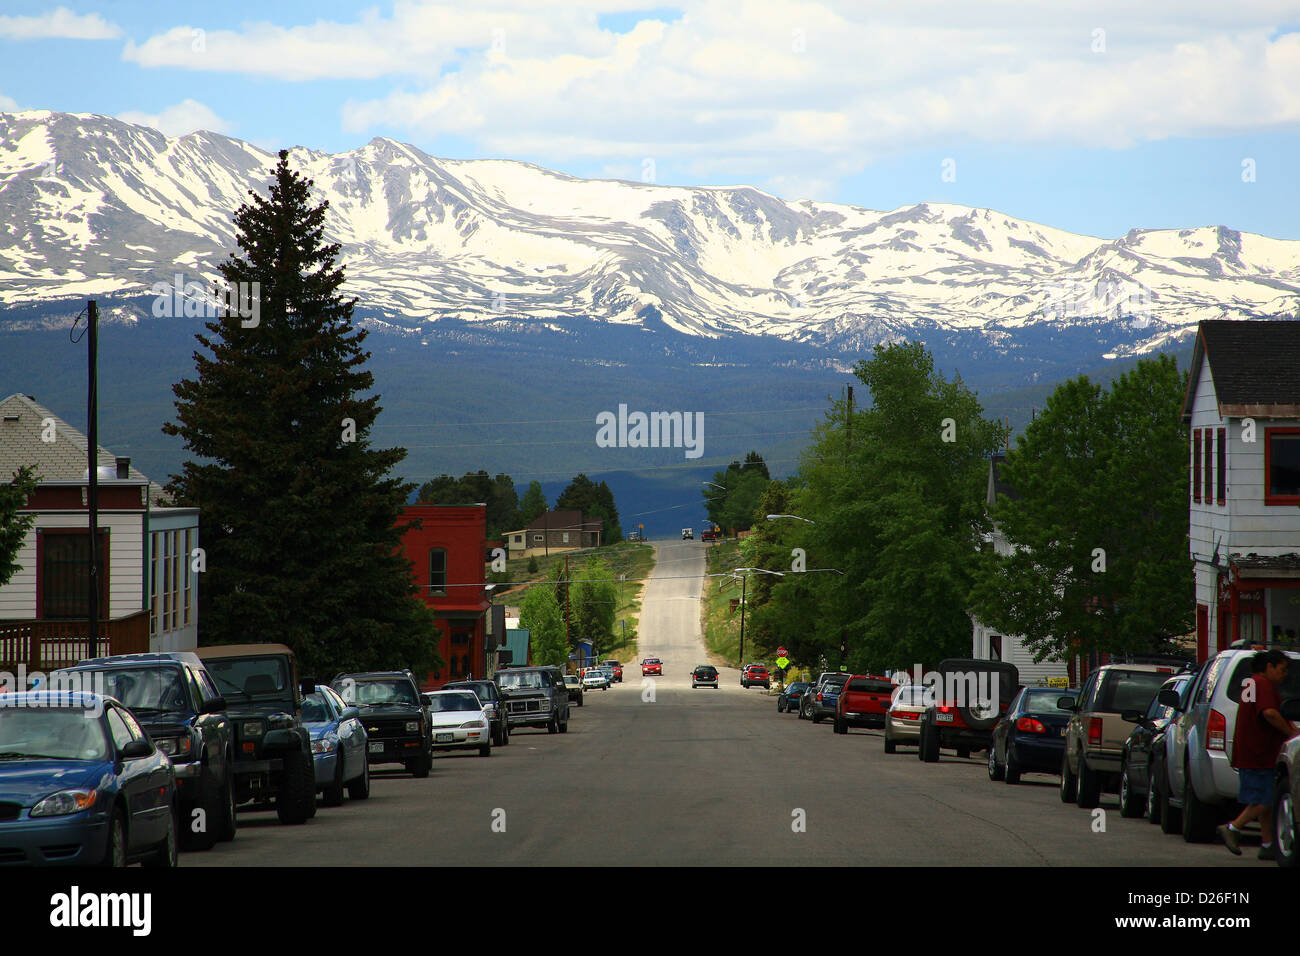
(783, 662)
(781, 652)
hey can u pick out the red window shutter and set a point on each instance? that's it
(1196, 464)
(1222, 468)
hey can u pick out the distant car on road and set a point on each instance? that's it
(652, 666)
(706, 675)
(1030, 738)
(688, 534)
(755, 675)
(593, 678)
(617, 669)
(788, 699)
(574, 683)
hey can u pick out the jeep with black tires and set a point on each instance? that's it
(175, 701)
(273, 761)
(971, 698)
(535, 697)
(397, 728)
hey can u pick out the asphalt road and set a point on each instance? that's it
(704, 777)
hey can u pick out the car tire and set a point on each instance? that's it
(780, 704)
(553, 725)
(359, 789)
(422, 765)
(1198, 818)
(227, 826)
(816, 717)
(1171, 817)
(890, 745)
(995, 769)
(1011, 770)
(564, 725)
(115, 845)
(485, 750)
(929, 744)
(579, 699)
(1128, 800)
(1284, 824)
(1069, 782)
(297, 789)
(332, 796)
(210, 801)
(840, 726)
(1089, 786)
(164, 855)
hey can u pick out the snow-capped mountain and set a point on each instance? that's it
(91, 205)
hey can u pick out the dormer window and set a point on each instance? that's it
(1282, 466)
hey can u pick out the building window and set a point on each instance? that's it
(65, 575)
(537, 538)
(1222, 467)
(154, 545)
(1209, 466)
(1282, 466)
(438, 571)
(186, 576)
(1196, 464)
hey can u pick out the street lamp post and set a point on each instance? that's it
(744, 580)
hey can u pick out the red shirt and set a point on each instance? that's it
(1255, 742)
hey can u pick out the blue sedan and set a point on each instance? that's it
(338, 746)
(82, 784)
(1029, 737)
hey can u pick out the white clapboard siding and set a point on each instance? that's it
(125, 559)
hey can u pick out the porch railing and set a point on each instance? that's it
(47, 645)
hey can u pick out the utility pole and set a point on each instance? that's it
(92, 474)
(743, 581)
(566, 606)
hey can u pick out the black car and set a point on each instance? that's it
(177, 704)
(706, 675)
(1142, 774)
(490, 695)
(392, 711)
(1028, 737)
(788, 699)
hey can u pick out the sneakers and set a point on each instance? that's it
(1229, 838)
(1268, 853)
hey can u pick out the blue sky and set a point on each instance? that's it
(1083, 116)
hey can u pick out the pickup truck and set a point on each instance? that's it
(864, 702)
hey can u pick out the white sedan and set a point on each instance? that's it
(459, 721)
(593, 678)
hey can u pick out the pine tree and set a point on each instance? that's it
(533, 504)
(299, 514)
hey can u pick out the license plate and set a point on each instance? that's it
(445, 738)
(943, 718)
(376, 746)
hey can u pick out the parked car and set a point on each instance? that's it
(956, 719)
(1166, 707)
(1137, 797)
(755, 675)
(903, 720)
(460, 722)
(574, 683)
(177, 703)
(688, 534)
(824, 699)
(1286, 796)
(82, 784)
(616, 668)
(708, 535)
(397, 726)
(1029, 737)
(1096, 732)
(652, 666)
(338, 746)
(706, 675)
(489, 693)
(273, 761)
(535, 697)
(1202, 782)
(593, 678)
(863, 702)
(788, 699)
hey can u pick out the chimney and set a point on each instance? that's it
(123, 468)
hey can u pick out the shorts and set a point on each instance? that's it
(1255, 787)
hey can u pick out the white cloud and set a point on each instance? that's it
(179, 119)
(8, 104)
(809, 91)
(60, 23)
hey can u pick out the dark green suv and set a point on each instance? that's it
(273, 762)
(392, 711)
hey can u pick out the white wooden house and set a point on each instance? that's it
(1243, 411)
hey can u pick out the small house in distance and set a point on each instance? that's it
(556, 531)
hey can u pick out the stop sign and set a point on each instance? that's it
(780, 652)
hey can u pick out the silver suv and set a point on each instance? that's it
(1202, 782)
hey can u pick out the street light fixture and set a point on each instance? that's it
(795, 517)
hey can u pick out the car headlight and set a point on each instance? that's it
(322, 745)
(175, 746)
(253, 728)
(474, 724)
(413, 726)
(64, 802)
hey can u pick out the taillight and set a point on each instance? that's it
(1094, 731)
(1216, 731)
(1030, 725)
(819, 696)
(944, 708)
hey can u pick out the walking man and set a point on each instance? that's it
(1260, 732)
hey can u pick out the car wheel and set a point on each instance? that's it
(929, 744)
(115, 848)
(359, 789)
(421, 766)
(579, 699)
(564, 725)
(553, 725)
(890, 745)
(485, 750)
(228, 826)
(780, 704)
(1089, 786)
(995, 771)
(1011, 771)
(1171, 817)
(210, 801)
(332, 796)
(1284, 824)
(1069, 783)
(164, 854)
(1128, 800)
(297, 789)
(816, 717)
(840, 726)
(1198, 818)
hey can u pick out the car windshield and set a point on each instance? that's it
(249, 676)
(379, 693)
(653, 660)
(1128, 690)
(522, 680)
(147, 688)
(1044, 701)
(314, 710)
(796, 687)
(442, 703)
(58, 733)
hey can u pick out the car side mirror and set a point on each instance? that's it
(216, 705)
(136, 749)
(349, 713)
(1067, 703)
(1132, 717)
(1168, 698)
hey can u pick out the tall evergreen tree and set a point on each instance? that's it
(300, 514)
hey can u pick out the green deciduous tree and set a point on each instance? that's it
(533, 504)
(543, 616)
(593, 605)
(594, 501)
(14, 525)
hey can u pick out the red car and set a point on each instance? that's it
(652, 665)
(863, 702)
(618, 670)
(755, 674)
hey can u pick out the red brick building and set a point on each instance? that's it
(446, 553)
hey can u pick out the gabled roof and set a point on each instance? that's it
(1255, 367)
(996, 485)
(565, 521)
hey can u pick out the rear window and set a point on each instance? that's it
(910, 695)
(872, 686)
(1128, 690)
(1289, 690)
(1044, 701)
(705, 671)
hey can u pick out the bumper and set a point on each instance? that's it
(899, 729)
(79, 840)
(952, 737)
(705, 683)
(530, 719)
(1215, 779)
(394, 749)
(1102, 761)
(461, 738)
(863, 720)
(1037, 754)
